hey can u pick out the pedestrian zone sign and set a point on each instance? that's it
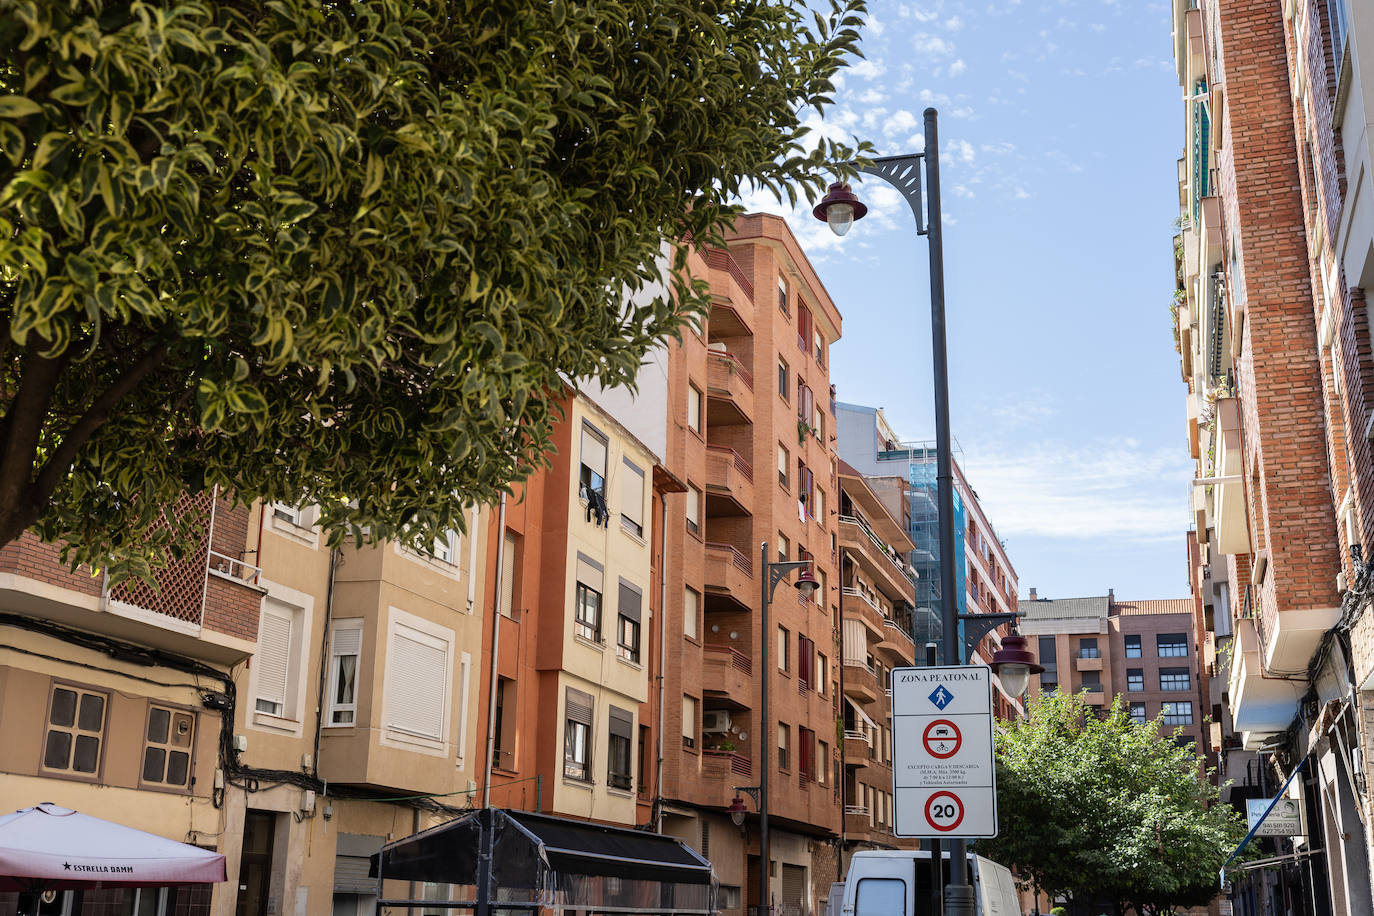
(943, 782)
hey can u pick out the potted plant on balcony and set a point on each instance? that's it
(803, 428)
(724, 745)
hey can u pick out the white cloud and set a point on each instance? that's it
(1101, 490)
(954, 23)
(867, 69)
(960, 150)
(933, 45)
(957, 68)
(900, 122)
(1021, 194)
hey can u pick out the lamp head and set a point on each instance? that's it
(807, 584)
(737, 810)
(1014, 665)
(839, 208)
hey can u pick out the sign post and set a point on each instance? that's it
(943, 780)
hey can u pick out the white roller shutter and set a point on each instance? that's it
(274, 655)
(417, 683)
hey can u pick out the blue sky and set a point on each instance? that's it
(1060, 125)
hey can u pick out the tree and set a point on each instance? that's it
(351, 253)
(1102, 809)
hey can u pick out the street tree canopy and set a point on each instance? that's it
(351, 253)
(1105, 810)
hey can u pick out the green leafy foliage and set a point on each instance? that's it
(1102, 809)
(352, 253)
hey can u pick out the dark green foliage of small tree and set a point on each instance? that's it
(350, 252)
(1096, 809)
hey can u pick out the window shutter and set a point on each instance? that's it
(274, 655)
(632, 494)
(417, 685)
(629, 601)
(579, 706)
(590, 573)
(593, 451)
(348, 640)
(622, 723)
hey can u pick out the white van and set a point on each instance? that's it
(884, 882)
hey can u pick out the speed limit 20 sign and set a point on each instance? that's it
(942, 772)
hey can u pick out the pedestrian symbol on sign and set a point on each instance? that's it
(941, 697)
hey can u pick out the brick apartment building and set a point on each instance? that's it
(1275, 249)
(1146, 652)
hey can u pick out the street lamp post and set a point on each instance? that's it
(772, 574)
(839, 208)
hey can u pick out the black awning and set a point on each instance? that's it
(584, 848)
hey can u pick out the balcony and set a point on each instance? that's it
(204, 605)
(857, 750)
(728, 671)
(1260, 706)
(1196, 52)
(729, 483)
(861, 682)
(732, 315)
(858, 537)
(729, 390)
(1209, 232)
(730, 573)
(1087, 663)
(897, 643)
(1228, 497)
(862, 608)
(725, 764)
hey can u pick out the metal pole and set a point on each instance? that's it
(844, 793)
(662, 654)
(764, 739)
(495, 647)
(958, 893)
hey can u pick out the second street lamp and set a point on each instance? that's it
(772, 574)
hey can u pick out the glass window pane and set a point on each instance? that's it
(154, 762)
(63, 707)
(159, 721)
(58, 751)
(87, 754)
(348, 665)
(182, 724)
(880, 897)
(178, 765)
(92, 712)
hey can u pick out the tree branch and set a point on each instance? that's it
(23, 425)
(95, 417)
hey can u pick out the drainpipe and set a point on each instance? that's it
(844, 771)
(662, 653)
(495, 647)
(335, 561)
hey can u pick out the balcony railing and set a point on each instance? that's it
(234, 568)
(855, 734)
(741, 562)
(850, 592)
(892, 626)
(738, 764)
(729, 363)
(721, 259)
(883, 547)
(744, 467)
(737, 659)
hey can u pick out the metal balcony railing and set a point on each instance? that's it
(883, 547)
(744, 467)
(738, 660)
(742, 563)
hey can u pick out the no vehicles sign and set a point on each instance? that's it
(943, 781)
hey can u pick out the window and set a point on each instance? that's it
(689, 721)
(627, 626)
(1175, 679)
(632, 499)
(784, 461)
(277, 663)
(822, 673)
(509, 564)
(782, 295)
(445, 547)
(621, 727)
(1133, 646)
(1172, 645)
(419, 665)
(167, 747)
(1177, 713)
(1335, 11)
(1047, 651)
(784, 547)
(806, 662)
(783, 734)
(806, 495)
(588, 612)
(820, 505)
(694, 408)
(693, 509)
(783, 648)
(1087, 648)
(820, 347)
(822, 762)
(76, 730)
(691, 609)
(1135, 679)
(504, 758)
(346, 643)
(806, 753)
(784, 380)
(803, 327)
(592, 477)
(577, 733)
(1092, 681)
(1138, 713)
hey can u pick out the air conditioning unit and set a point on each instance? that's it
(714, 721)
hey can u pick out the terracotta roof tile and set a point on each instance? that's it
(1154, 606)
